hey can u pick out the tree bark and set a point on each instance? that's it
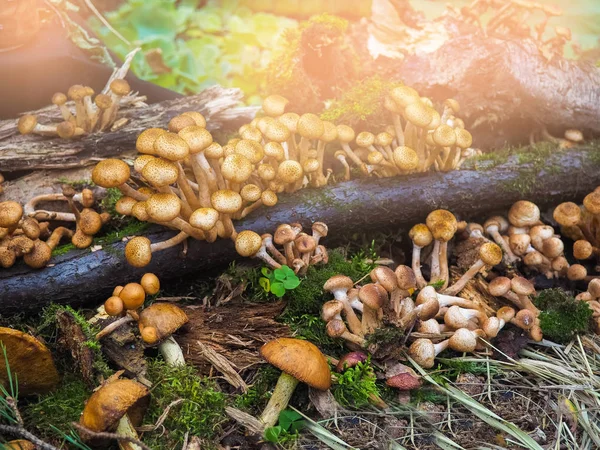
(30, 152)
(81, 277)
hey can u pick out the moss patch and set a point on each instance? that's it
(561, 316)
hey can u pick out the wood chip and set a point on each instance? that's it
(223, 365)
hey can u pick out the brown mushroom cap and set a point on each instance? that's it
(163, 207)
(111, 402)
(39, 255)
(138, 251)
(463, 340)
(204, 218)
(236, 168)
(248, 243)
(226, 201)
(19, 444)
(402, 377)
(289, 171)
(300, 359)
(145, 141)
(165, 318)
(567, 214)
(110, 173)
(198, 117)
(591, 202)
(338, 282)
(178, 123)
(252, 150)
(421, 235)
(423, 352)
(10, 214)
(384, 276)
(160, 172)
(171, 146)
(310, 126)
(442, 223)
(274, 105)
(133, 295)
(405, 158)
(419, 114)
(150, 283)
(331, 309)
(30, 361)
(405, 277)
(524, 214)
(26, 123)
(114, 305)
(582, 249)
(490, 253)
(120, 87)
(373, 295)
(499, 286)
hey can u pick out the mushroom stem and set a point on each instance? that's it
(171, 352)
(125, 428)
(416, 267)
(171, 242)
(186, 189)
(435, 262)
(286, 384)
(131, 192)
(462, 282)
(444, 275)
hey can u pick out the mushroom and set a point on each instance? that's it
(373, 297)
(401, 377)
(30, 363)
(494, 226)
(443, 226)
(157, 323)
(117, 406)
(250, 244)
(19, 444)
(490, 254)
(150, 283)
(524, 214)
(457, 317)
(114, 173)
(285, 235)
(299, 361)
(227, 202)
(421, 237)
(28, 124)
(339, 285)
(139, 249)
(59, 99)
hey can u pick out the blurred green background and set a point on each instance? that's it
(197, 43)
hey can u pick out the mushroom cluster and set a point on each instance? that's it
(592, 297)
(299, 250)
(156, 323)
(198, 187)
(22, 229)
(91, 114)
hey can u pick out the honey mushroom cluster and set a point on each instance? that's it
(90, 115)
(22, 229)
(199, 187)
(299, 250)
(156, 323)
(581, 223)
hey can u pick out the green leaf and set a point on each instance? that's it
(287, 417)
(272, 434)
(278, 289)
(265, 284)
(280, 274)
(266, 272)
(291, 283)
(287, 271)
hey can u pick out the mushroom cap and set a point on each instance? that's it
(19, 444)
(160, 172)
(305, 243)
(350, 360)
(10, 214)
(59, 98)
(384, 276)
(248, 243)
(506, 313)
(300, 359)
(274, 105)
(133, 295)
(582, 249)
(338, 282)
(310, 126)
(120, 87)
(139, 211)
(490, 254)
(112, 401)
(90, 221)
(591, 202)
(499, 286)
(30, 228)
(236, 168)
(214, 151)
(431, 326)
(402, 377)
(345, 133)
(594, 288)
(497, 221)
(567, 214)
(428, 293)
(39, 255)
(442, 223)
(165, 318)
(423, 352)
(103, 101)
(178, 123)
(463, 138)
(576, 272)
(405, 158)
(145, 141)
(163, 207)
(492, 326)
(204, 218)
(198, 117)
(284, 234)
(522, 286)
(172, 147)
(421, 235)
(365, 139)
(27, 123)
(274, 150)
(251, 134)
(574, 135)
(290, 120)
(150, 283)
(553, 247)
(30, 361)
(114, 306)
(140, 162)
(110, 173)
(524, 214)
(289, 171)
(405, 277)
(463, 340)
(320, 228)
(525, 319)
(373, 296)
(226, 201)
(404, 96)
(252, 150)
(277, 132)
(418, 114)
(138, 251)
(444, 136)
(81, 240)
(519, 243)
(331, 309)
(66, 130)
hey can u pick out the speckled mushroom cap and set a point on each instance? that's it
(331, 309)
(163, 207)
(490, 254)
(365, 139)
(553, 247)
(405, 277)
(145, 141)
(178, 123)
(338, 282)
(444, 136)
(425, 295)
(252, 150)
(236, 168)
(160, 172)
(404, 96)
(305, 243)
(39, 255)
(524, 214)
(567, 214)
(204, 218)
(594, 288)
(310, 126)
(197, 138)
(373, 295)
(497, 221)
(384, 276)
(276, 131)
(591, 202)
(423, 352)
(289, 171)
(274, 105)
(418, 114)
(10, 213)
(26, 123)
(522, 286)
(463, 340)
(300, 359)
(384, 139)
(463, 138)
(165, 318)
(138, 251)
(248, 243)
(290, 120)
(226, 201)
(442, 223)
(30, 361)
(421, 235)
(499, 286)
(405, 158)
(110, 173)
(345, 133)
(150, 283)
(90, 221)
(112, 401)
(198, 117)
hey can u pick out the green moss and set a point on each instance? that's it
(108, 203)
(201, 413)
(354, 387)
(77, 184)
(255, 399)
(57, 409)
(561, 316)
(452, 368)
(312, 328)
(383, 336)
(63, 249)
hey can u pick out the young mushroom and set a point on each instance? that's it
(490, 254)
(157, 323)
(339, 285)
(421, 237)
(299, 361)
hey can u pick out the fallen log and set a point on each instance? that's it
(81, 277)
(30, 152)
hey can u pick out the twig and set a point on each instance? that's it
(105, 435)
(13, 405)
(113, 326)
(223, 365)
(23, 433)
(161, 419)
